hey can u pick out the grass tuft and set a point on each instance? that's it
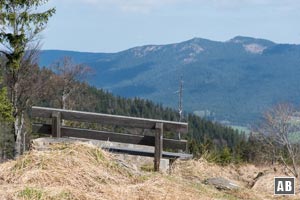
(31, 194)
(147, 168)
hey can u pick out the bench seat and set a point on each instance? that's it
(148, 153)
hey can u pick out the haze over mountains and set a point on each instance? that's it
(236, 80)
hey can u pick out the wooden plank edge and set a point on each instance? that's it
(109, 119)
(111, 136)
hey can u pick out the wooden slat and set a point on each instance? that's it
(108, 136)
(140, 152)
(110, 119)
(111, 136)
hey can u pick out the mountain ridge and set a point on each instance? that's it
(235, 80)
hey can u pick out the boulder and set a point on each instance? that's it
(221, 183)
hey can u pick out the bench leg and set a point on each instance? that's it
(158, 145)
(56, 124)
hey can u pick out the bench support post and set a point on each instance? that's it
(56, 125)
(158, 145)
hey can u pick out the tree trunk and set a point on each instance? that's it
(64, 100)
(17, 137)
(292, 155)
(18, 126)
(64, 106)
(24, 141)
(295, 168)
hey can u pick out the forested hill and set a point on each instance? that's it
(201, 131)
(235, 80)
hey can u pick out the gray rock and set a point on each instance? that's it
(221, 183)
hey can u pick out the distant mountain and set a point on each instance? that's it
(231, 81)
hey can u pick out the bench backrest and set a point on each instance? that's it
(57, 130)
(109, 119)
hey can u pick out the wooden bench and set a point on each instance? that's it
(156, 140)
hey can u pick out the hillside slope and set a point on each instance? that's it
(235, 80)
(81, 171)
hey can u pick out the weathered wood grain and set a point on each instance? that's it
(139, 152)
(158, 145)
(110, 119)
(111, 136)
(56, 124)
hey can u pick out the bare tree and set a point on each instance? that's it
(31, 87)
(67, 75)
(278, 130)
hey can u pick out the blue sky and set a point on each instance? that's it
(115, 25)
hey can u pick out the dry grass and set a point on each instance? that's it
(81, 171)
(76, 169)
(246, 176)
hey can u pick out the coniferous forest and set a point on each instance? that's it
(63, 89)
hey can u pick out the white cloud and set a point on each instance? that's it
(146, 6)
(240, 4)
(140, 6)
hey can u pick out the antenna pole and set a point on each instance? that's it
(180, 102)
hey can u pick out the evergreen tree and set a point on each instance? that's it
(20, 22)
(6, 108)
(6, 139)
